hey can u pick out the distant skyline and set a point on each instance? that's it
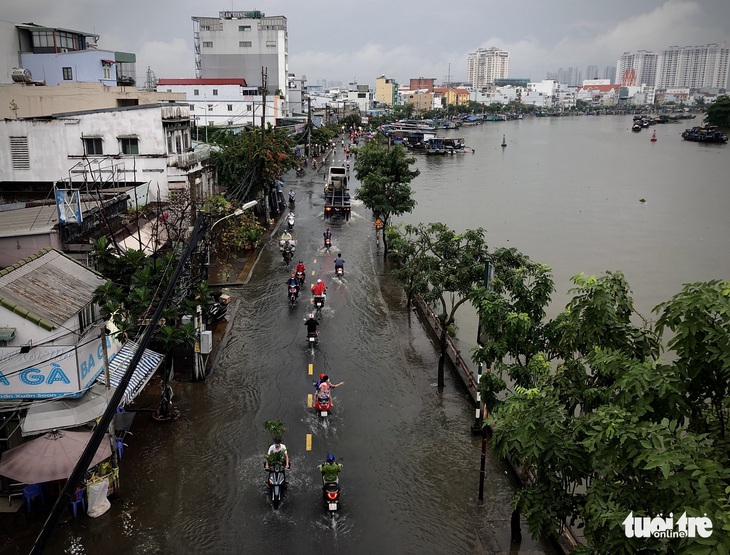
(359, 42)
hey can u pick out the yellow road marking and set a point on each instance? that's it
(314, 262)
(311, 368)
(312, 272)
(309, 400)
(309, 442)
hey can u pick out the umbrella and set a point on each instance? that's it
(52, 456)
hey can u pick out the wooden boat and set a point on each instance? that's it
(706, 134)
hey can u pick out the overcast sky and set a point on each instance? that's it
(401, 39)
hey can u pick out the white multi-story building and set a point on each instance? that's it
(694, 67)
(149, 144)
(485, 65)
(224, 102)
(243, 44)
(637, 68)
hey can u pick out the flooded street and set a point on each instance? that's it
(411, 465)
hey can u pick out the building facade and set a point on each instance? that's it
(694, 67)
(485, 65)
(31, 53)
(243, 44)
(224, 102)
(637, 68)
(386, 91)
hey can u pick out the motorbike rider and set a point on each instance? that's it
(330, 469)
(319, 288)
(293, 282)
(277, 447)
(300, 268)
(339, 262)
(292, 196)
(312, 324)
(326, 386)
(327, 235)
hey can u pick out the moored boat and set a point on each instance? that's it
(706, 134)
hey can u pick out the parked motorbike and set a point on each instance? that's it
(290, 221)
(300, 278)
(293, 295)
(331, 495)
(217, 311)
(277, 482)
(322, 404)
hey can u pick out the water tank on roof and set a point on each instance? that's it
(21, 75)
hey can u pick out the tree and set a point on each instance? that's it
(718, 113)
(609, 431)
(447, 266)
(385, 174)
(248, 164)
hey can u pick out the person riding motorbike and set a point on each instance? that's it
(293, 282)
(277, 447)
(339, 262)
(300, 268)
(326, 386)
(292, 197)
(312, 325)
(330, 469)
(319, 288)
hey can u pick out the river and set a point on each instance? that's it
(585, 194)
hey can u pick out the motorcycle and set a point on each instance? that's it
(301, 172)
(287, 255)
(327, 243)
(293, 295)
(290, 220)
(292, 198)
(331, 495)
(318, 302)
(277, 482)
(339, 271)
(322, 404)
(312, 339)
(300, 278)
(314, 164)
(219, 308)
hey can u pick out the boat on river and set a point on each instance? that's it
(443, 145)
(706, 134)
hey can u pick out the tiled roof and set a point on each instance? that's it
(47, 288)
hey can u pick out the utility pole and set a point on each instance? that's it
(309, 127)
(481, 410)
(263, 97)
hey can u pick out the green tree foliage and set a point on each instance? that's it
(718, 113)
(385, 174)
(512, 309)
(248, 164)
(612, 429)
(443, 267)
(230, 236)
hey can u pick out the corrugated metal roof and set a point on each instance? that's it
(203, 81)
(48, 288)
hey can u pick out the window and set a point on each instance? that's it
(196, 92)
(106, 71)
(244, 44)
(68, 74)
(87, 317)
(19, 153)
(178, 143)
(207, 44)
(92, 146)
(186, 140)
(210, 107)
(244, 28)
(230, 107)
(270, 44)
(129, 145)
(215, 92)
(169, 145)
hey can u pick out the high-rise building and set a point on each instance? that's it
(243, 44)
(485, 65)
(609, 72)
(694, 66)
(591, 72)
(637, 68)
(386, 91)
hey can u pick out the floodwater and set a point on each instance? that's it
(565, 191)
